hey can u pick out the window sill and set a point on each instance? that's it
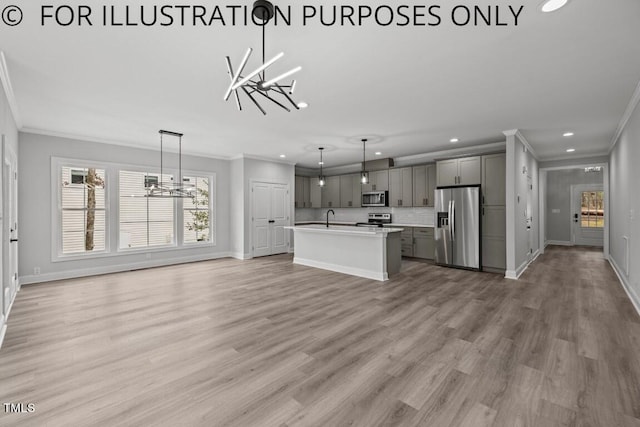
(132, 251)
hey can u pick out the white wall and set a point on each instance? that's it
(624, 202)
(9, 131)
(521, 164)
(244, 171)
(35, 208)
(558, 198)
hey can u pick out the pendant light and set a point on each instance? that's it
(179, 188)
(321, 180)
(364, 175)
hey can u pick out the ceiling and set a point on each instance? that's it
(410, 88)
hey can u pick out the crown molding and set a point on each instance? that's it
(633, 103)
(8, 91)
(521, 137)
(261, 158)
(450, 153)
(85, 138)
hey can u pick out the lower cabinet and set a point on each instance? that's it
(493, 237)
(406, 241)
(417, 242)
(423, 244)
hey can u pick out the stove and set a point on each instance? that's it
(376, 220)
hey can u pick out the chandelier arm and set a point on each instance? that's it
(254, 101)
(273, 100)
(234, 78)
(257, 71)
(235, 92)
(282, 76)
(277, 86)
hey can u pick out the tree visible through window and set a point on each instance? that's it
(592, 210)
(196, 211)
(83, 210)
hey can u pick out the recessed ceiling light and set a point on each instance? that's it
(551, 5)
(302, 104)
(282, 156)
(570, 150)
(378, 153)
(454, 140)
(567, 134)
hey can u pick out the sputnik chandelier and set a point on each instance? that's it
(255, 82)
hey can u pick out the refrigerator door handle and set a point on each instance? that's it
(453, 220)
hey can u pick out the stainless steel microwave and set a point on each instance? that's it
(375, 198)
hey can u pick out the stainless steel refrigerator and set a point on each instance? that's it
(457, 232)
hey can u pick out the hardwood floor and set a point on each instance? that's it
(268, 343)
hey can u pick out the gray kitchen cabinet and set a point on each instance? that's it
(463, 171)
(493, 188)
(424, 184)
(315, 194)
(493, 237)
(350, 193)
(331, 192)
(378, 181)
(400, 187)
(494, 176)
(423, 243)
(406, 241)
(303, 192)
(299, 192)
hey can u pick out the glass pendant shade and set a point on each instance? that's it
(364, 177)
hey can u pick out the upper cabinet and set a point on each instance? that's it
(350, 192)
(494, 176)
(307, 194)
(424, 184)
(400, 187)
(315, 195)
(464, 171)
(331, 192)
(378, 181)
(299, 195)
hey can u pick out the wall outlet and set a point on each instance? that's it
(36, 271)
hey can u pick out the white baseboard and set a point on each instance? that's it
(240, 255)
(342, 269)
(3, 331)
(84, 272)
(557, 243)
(631, 293)
(3, 325)
(515, 274)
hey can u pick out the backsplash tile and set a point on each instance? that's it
(417, 215)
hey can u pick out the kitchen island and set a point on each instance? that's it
(370, 252)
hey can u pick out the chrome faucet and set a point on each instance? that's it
(334, 215)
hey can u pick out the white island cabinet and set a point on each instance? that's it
(369, 252)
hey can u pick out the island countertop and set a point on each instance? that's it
(344, 229)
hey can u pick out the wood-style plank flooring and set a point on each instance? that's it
(268, 343)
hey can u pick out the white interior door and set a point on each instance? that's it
(261, 215)
(587, 207)
(270, 214)
(280, 218)
(9, 226)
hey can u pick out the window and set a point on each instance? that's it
(196, 211)
(82, 210)
(592, 211)
(144, 221)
